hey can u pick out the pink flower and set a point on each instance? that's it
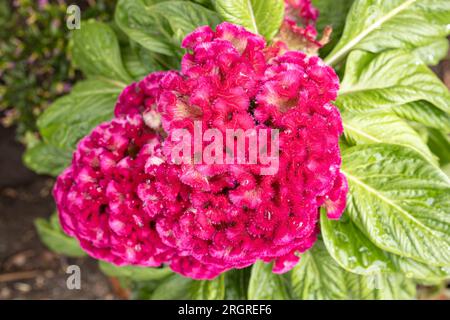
(301, 12)
(99, 195)
(128, 202)
(298, 31)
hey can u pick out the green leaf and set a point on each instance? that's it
(56, 240)
(135, 67)
(44, 158)
(353, 251)
(389, 79)
(73, 116)
(131, 16)
(208, 289)
(236, 284)
(425, 113)
(377, 25)
(262, 17)
(434, 52)
(155, 61)
(206, 3)
(332, 13)
(399, 201)
(135, 273)
(183, 17)
(175, 287)
(96, 52)
(381, 287)
(266, 285)
(159, 26)
(319, 277)
(382, 127)
(440, 145)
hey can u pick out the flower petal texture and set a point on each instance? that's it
(128, 201)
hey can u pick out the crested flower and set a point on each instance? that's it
(129, 201)
(301, 12)
(298, 30)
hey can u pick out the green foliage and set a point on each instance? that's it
(332, 13)
(54, 238)
(388, 79)
(89, 103)
(208, 290)
(44, 158)
(262, 17)
(319, 277)
(73, 116)
(265, 285)
(34, 60)
(159, 26)
(96, 52)
(415, 23)
(356, 253)
(162, 283)
(375, 127)
(400, 201)
(136, 273)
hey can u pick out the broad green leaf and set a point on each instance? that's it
(73, 116)
(434, 52)
(446, 169)
(382, 127)
(156, 61)
(175, 287)
(399, 201)
(206, 3)
(356, 253)
(425, 113)
(134, 65)
(159, 26)
(266, 285)
(208, 289)
(44, 158)
(56, 240)
(96, 52)
(236, 284)
(388, 79)
(183, 17)
(332, 13)
(382, 286)
(440, 145)
(135, 273)
(319, 277)
(131, 16)
(262, 17)
(140, 290)
(377, 25)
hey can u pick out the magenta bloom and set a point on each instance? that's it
(298, 31)
(301, 11)
(128, 202)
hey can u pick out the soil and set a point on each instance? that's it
(28, 270)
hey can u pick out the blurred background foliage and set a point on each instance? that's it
(35, 64)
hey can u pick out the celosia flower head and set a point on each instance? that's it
(128, 202)
(298, 30)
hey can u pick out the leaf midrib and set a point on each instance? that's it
(388, 201)
(375, 140)
(252, 16)
(332, 59)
